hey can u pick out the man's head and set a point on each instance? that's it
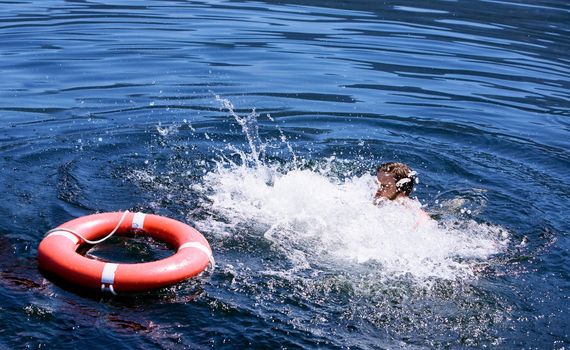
(395, 180)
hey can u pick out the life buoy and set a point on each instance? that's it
(57, 253)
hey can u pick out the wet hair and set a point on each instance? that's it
(403, 175)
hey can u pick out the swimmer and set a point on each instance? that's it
(395, 183)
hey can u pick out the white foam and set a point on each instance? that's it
(315, 219)
(167, 130)
(319, 222)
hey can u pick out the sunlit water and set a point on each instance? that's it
(261, 124)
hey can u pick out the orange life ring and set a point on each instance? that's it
(57, 253)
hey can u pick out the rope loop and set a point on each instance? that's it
(87, 240)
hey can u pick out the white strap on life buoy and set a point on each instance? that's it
(201, 248)
(138, 220)
(196, 245)
(65, 234)
(108, 277)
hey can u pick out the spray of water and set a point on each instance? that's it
(316, 220)
(249, 128)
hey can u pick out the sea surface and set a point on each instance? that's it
(261, 123)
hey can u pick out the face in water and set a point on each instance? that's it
(387, 188)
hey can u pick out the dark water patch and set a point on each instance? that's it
(129, 250)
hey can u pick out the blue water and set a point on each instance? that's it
(207, 111)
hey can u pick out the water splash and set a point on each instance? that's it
(249, 128)
(319, 219)
(167, 130)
